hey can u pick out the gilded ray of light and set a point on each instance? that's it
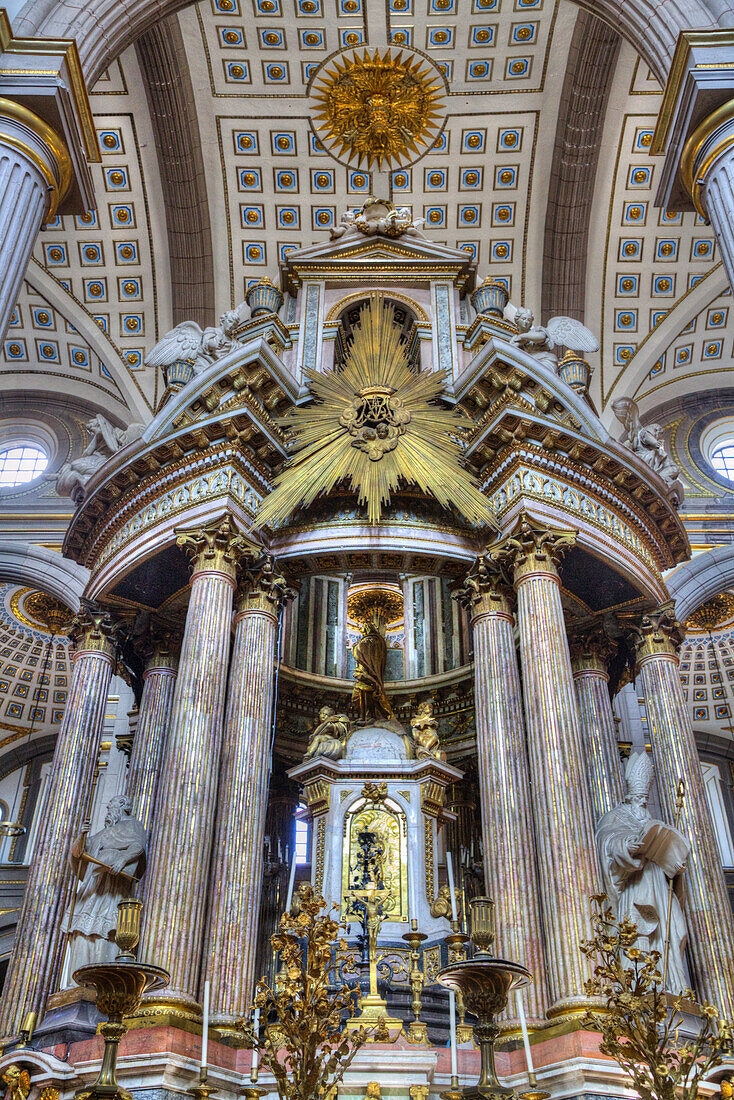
(375, 425)
(377, 108)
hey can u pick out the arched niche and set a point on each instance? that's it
(406, 321)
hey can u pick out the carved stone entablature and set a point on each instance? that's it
(367, 260)
(219, 477)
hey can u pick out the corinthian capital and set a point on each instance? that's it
(93, 628)
(533, 547)
(486, 587)
(217, 547)
(591, 647)
(263, 587)
(657, 632)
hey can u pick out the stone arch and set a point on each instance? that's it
(24, 563)
(701, 578)
(104, 28)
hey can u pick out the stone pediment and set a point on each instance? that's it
(358, 252)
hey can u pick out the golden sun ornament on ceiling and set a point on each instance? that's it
(378, 108)
(376, 425)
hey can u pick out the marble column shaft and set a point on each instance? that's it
(186, 800)
(237, 868)
(567, 860)
(598, 729)
(35, 172)
(159, 680)
(708, 911)
(39, 942)
(504, 786)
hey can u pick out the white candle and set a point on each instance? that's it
(452, 888)
(255, 1051)
(205, 1028)
(291, 883)
(452, 1022)
(525, 1036)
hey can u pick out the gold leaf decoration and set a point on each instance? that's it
(377, 108)
(375, 424)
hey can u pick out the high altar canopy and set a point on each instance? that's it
(373, 581)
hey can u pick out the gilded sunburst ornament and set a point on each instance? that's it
(380, 108)
(375, 424)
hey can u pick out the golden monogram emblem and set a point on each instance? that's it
(377, 108)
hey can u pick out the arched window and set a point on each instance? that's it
(404, 319)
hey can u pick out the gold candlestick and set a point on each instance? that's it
(203, 1090)
(453, 1093)
(456, 943)
(119, 986)
(534, 1093)
(416, 1032)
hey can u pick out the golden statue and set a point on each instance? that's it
(329, 738)
(370, 653)
(441, 904)
(424, 728)
(18, 1081)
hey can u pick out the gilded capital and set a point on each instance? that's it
(486, 588)
(531, 547)
(658, 633)
(218, 547)
(162, 647)
(93, 628)
(591, 648)
(263, 587)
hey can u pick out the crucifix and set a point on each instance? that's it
(373, 1006)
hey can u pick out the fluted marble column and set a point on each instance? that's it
(39, 943)
(567, 861)
(504, 780)
(35, 174)
(707, 169)
(237, 868)
(708, 912)
(159, 680)
(590, 652)
(186, 799)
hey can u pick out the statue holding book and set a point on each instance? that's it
(641, 858)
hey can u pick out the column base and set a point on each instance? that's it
(170, 1009)
(227, 1033)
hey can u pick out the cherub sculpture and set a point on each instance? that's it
(441, 904)
(18, 1081)
(542, 341)
(645, 440)
(424, 728)
(377, 216)
(190, 343)
(329, 739)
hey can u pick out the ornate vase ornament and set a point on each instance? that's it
(490, 297)
(575, 372)
(264, 297)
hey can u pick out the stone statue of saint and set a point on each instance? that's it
(329, 739)
(640, 857)
(370, 654)
(108, 865)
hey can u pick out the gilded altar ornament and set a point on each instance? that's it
(18, 1081)
(416, 1032)
(306, 1049)
(380, 109)
(329, 739)
(424, 728)
(370, 656)
(376, 425)
(641, 1026)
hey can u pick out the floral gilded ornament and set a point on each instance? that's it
(375, 425)
(380, 108)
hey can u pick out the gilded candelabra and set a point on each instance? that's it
(456, 942)
(416, 1032)
(119, 986)
(485, 983)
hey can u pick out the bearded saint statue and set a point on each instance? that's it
(640, 857)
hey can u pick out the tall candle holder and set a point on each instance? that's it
(456, 942)
(416, 1032)
(485, 983)
(118, 986)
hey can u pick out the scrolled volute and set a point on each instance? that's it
(218, 546)
(263, 586)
